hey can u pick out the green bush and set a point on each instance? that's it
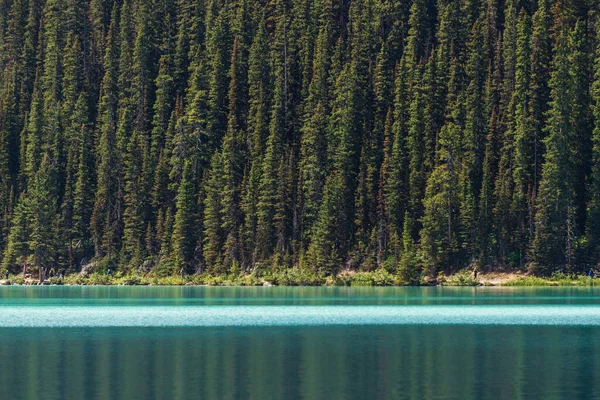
(212, 280)
(379, 277)
(463, 278)
(75, 279)
(16, 280)
(169, 280)
(131, 280)
(55, 280)
(243, 280)
(382, 277)
(342, 279)
(361, 279)
(295, 277)
(99, 279)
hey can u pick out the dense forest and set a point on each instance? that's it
(229, 135)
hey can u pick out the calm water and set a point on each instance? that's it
(308, 343)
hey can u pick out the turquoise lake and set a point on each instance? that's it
(71, 342)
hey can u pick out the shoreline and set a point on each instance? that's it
(376, 278)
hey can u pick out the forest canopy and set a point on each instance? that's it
(227, 135)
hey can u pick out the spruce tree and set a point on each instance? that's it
(541, 54)
(277, 131)
(439, 239)
(233, 153)
(105, 218)
(17, 244)
(183, 238)
(523, 138)
(473, 142)
(554, 240)
(213, 216)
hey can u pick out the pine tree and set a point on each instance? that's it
(417, 41)
(387, 207)
(105, 218)
(395, 191)
(325, 250)
(33, 135)
(29, 57)
(133, 215)
(408, 267)
(267, 199)
(313, 163)
(163, 106)
(74, 118)
(313, 146)
(51, 83)
(233, 155)
(523, 138)
(42, 240)
(17, 243)
(555, 218)
(218, 40)
(541, 54)
(183, 238)
(473, 142)
(439, 240)
(83, 192)
(581, 75)
(258, 92)
(488, 237)
(504, 184)
(415, 146)
(213, 216)
(257, 131)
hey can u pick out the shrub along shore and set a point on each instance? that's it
(295, 277)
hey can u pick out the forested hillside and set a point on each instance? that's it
(223, 135)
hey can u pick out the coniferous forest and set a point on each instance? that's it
(227, 135)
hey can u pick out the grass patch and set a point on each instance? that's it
(556, 279)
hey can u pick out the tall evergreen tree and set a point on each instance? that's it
(554, 242)
(106, 213)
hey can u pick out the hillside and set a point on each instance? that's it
(223, 135)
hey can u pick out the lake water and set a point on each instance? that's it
(299, 343)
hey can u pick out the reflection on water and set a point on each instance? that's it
(200, 295)
(309, 362)
(319, 362)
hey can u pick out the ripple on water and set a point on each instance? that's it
(211, 316)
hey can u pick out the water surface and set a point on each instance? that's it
(306, 343)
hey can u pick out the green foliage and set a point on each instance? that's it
(222, 137)
(55, 280)
(131, 280)
(183, 226)
(556, 279)
(378, 277)
(16, 280)
(99, 278)
(463, 278)
(295, 277)
(555, 219)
